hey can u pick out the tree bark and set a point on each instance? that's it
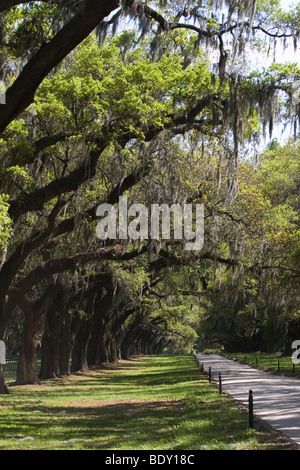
(103, 353)
(79, 356)
(70, 328)
(3, 388)
(27, 364)
(51, 54)
(50, 346)
(33, 313)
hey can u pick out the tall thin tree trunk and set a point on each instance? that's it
(27, 363)
(3, 387)
(50, 346)
(66, 344)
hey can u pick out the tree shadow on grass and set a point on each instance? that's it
(131, 424)
(115, 425)
(157, 409)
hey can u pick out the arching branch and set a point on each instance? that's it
(54, 266)
(7, 4)
(21, 93)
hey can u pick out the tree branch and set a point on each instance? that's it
(36, 199)
(71, 263)
(36, 240)
(7, 4)
(21, 93)
(167, 259)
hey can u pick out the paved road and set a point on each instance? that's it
(276, 398)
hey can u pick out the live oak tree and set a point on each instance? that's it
(256, 306)
(70, 93)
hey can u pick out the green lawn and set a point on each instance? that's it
(147, 403)
(270, 362)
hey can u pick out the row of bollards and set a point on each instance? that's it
(250, 398)
(256, 362)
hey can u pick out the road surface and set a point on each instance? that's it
(276, 399)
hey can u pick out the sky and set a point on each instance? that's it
(282, 55)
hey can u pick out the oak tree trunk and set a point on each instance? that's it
(3, 387)
(27, 363)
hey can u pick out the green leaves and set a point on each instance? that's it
(31, 25)
(5, 223)
(178, 322)
(97, 85)
(19, 176)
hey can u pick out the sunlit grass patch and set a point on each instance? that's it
(148, 403)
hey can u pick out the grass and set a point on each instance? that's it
(270, 362)
(147, 403)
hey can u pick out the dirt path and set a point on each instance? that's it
(276, 398)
